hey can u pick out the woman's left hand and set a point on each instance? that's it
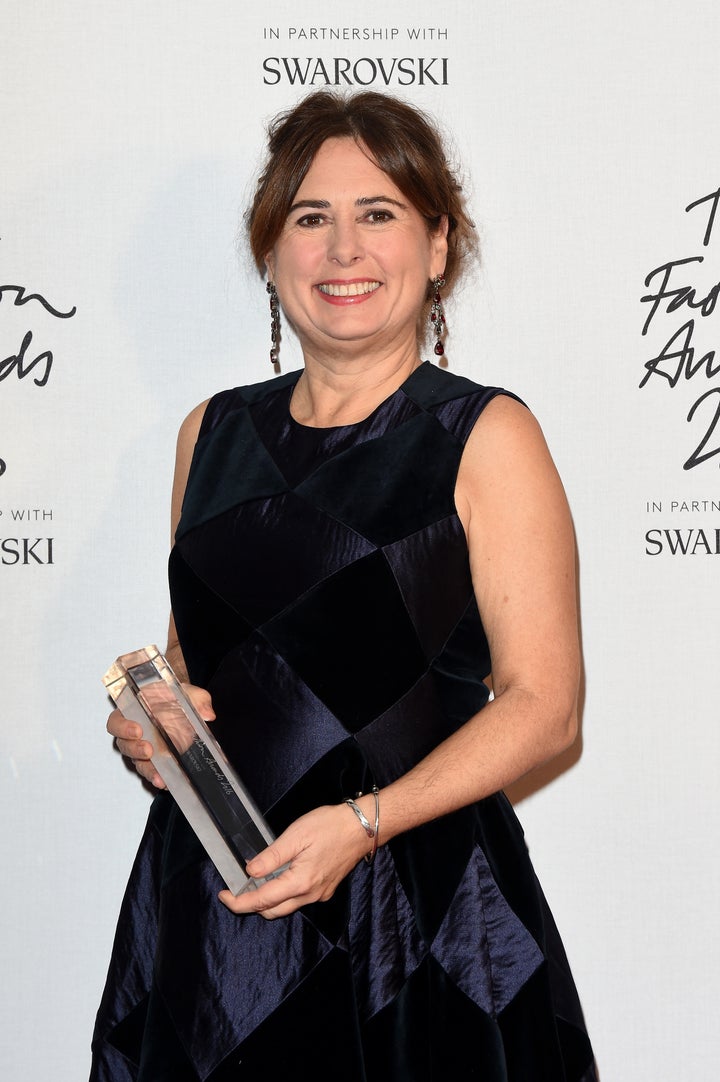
(321, 848)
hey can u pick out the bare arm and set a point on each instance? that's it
(522, 555)
(127, 733)
(513, 508)
(187, 438)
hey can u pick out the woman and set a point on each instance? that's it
(359, 547)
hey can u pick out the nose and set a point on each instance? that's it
(345, 245)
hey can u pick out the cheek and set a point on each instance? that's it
(418, 250)
(295, 261)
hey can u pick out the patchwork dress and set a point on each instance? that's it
(321, 589)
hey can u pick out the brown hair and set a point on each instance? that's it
(401, 140)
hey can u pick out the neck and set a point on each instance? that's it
(330, 394)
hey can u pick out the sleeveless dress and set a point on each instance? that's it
(321, 589)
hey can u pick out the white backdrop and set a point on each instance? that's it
(130, 134)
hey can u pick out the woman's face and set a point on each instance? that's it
(353, 261)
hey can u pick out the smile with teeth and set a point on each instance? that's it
(347, 289)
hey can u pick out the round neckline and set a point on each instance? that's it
(328, 429)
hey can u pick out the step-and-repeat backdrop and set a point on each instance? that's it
(587, 137)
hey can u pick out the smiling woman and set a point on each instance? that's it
(350, 573)
(353, 261)
(400, 140)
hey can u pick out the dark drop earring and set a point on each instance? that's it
(437, 319)
(274, 326)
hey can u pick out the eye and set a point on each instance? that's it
(308, 221)
(379, 217)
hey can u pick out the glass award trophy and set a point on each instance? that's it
(192, 764)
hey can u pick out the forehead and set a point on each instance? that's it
(343, 166)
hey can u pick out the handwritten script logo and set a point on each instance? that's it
(680, 356)
(22, 363)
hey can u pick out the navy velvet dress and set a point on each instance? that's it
(321, 589)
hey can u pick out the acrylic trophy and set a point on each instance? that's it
(192, 764)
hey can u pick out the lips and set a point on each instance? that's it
(348, 289)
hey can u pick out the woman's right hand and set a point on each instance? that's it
(129, 739)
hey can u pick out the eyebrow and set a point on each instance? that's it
(365, 201)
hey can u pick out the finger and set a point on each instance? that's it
(272, 858)
(202, 701)
(120, 726)
(271, 913)
(240, 908)
(137, 750)
(254, 901)
(237, 903)
(148, 772)
(267, 897)
(284, 910)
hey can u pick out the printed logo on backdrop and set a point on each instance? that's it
(681, 299)
(31, 365)
(402, 66)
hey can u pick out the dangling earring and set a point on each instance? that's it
(437, 319)
(274, 326)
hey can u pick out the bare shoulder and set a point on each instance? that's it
(505, 424)
(190, 427)
(187, 438)
(506, 460)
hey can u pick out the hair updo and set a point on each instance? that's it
(400, 139)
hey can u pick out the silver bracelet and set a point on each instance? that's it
(364, 823)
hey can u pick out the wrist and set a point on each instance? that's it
(366, 810)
